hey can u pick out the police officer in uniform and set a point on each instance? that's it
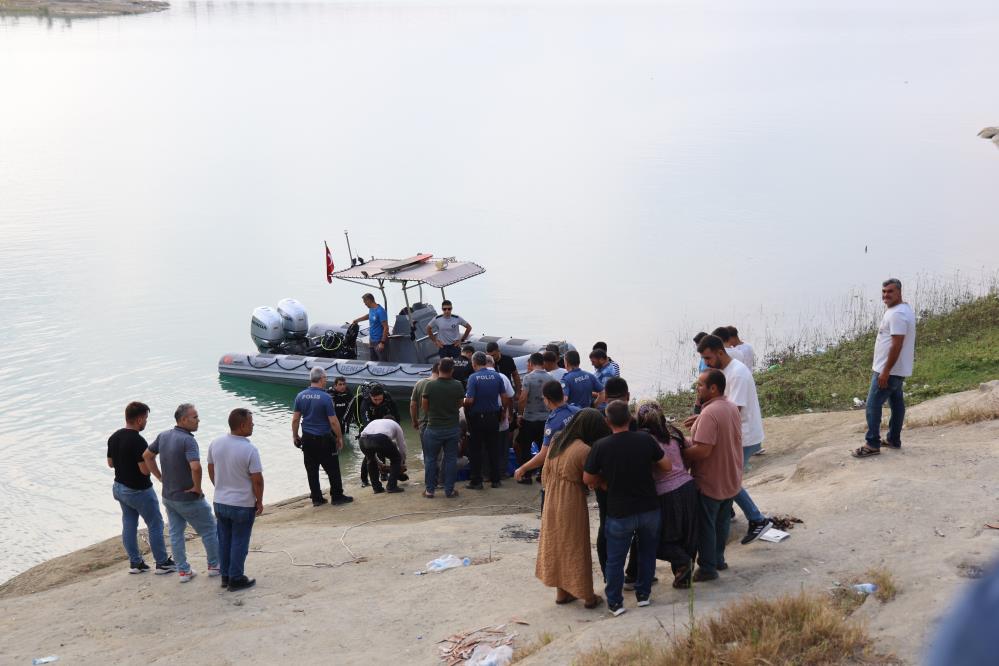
(443, 330)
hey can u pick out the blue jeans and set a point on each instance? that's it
(434, 440)
(715, 519)
(876, 399)
(199, 515)
(620, 532)
(135, 503)
(745, 502)
(235, 523)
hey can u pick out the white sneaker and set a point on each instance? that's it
(186, 576)
(213, 571)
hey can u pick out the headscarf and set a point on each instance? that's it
(587, 425)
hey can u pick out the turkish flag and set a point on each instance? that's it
(329, 264)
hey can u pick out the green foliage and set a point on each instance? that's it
(955, 351)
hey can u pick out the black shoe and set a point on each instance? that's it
(225, 582)
(702, 576)
(404, 477)
(474, 486)
(319, 502)
(629, 583)
(137, 567)
(342, 499)
(495, 484)
(241, 583)
(722, 566)
(397, 489)
(616, 609)
(643, 600)
(166, 566)
(756, 529)
(365, 484)
(526, 481)
(378, 490)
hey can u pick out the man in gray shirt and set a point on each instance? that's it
(180, 460)
(533, 411)
(443, 330)
(234, 467)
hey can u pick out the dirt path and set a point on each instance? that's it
(920, 512)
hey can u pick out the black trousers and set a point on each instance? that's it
(484, 441)
(320, 451)
(364, 469)
(631, 570)
(530, 431)
(375, 446)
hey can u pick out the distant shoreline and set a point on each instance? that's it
(80, 8)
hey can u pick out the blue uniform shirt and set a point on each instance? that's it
(316, 407)
(376, 316)
(485, 387)
(579, 386)
(558, 419)
(608, 371)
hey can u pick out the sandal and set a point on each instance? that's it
(886, 444)
(428, 494)
(566, 600)
(865, 452)
(597, 600)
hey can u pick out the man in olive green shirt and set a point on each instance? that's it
(440, 401)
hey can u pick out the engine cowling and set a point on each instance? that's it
(294, 319)
(266, 328)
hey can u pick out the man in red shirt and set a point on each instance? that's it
(715, 461)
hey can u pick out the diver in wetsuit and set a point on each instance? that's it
(367, 406)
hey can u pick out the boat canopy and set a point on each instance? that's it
(437, 273)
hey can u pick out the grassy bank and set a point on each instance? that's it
(955, 351)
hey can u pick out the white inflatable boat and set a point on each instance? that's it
(288, 347)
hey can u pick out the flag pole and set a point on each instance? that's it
(353, 261)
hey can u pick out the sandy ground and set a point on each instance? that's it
(919, 512)
(81, 8)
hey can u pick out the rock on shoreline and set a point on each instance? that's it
(81, 8)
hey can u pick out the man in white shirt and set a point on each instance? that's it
(723, 334)
(740, 388)
(894, 352)
(235, 470)
(384, 437)
(744, 348)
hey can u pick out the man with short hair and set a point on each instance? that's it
(134, 492)
(463, 365)
(235, 470)
(374, 404)
(555, 349)
(740, 389)
(185, 503)
(533, 411)
(441, 400)
(321, 439)
(443, 331)
(341, 398)
(560, 413)
(551, 365)
(602, 366)
(722, 334)
(715, 460)
(894, 351)
(615, 368)
(623, 463)
(746, 349)
(417, 414)
(378, 329)
(581, 387)
(701, 365)
(505, 365)
(384, 438)
(484, 400)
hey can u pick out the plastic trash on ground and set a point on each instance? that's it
(44, 660)
(485, 655)
(445, 562)
(865, 588)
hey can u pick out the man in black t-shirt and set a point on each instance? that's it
(623, 463)
(134, 492)
(463, 365)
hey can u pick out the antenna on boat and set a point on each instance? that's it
(354, 261)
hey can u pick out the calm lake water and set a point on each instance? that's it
(631, 173)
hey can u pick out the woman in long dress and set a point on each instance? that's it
(677, 497)
(564, 555)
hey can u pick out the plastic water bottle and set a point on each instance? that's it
(445, 562)
(44, 660)
(865, 588)
(535, 449)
